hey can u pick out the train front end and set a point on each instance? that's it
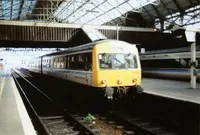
(117, 68)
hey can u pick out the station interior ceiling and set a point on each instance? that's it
(161, 15)
(136, 13)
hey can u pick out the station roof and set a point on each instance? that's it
(71, 11)
(167, 7)
(92, 11)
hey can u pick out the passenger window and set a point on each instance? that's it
(49, 63)
(58, 62)
(62, 62)
(71, 62)
(75, 62)
(54, 63)
(79, 62)
(67, 62)
(89, 61)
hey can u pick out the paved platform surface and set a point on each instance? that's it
(178, 90)
(14, 119)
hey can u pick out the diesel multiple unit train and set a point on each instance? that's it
(170, 63)
(109, 65)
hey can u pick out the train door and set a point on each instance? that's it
(89, 68)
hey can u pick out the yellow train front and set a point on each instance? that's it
(116, 68)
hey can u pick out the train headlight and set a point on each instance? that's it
(134, 80)
(119, 81)
(103, 82)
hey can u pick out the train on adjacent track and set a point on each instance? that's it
(170, 63)
(109, 65)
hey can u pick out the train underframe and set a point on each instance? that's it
(118, 92)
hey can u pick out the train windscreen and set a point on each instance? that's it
(117, 61)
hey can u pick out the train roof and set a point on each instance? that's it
(81, 47)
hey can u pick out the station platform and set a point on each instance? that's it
(14, 119)
(178, 90)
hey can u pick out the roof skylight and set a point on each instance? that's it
(96, 12)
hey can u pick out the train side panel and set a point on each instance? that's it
(35, 65)
(64, 70)
(46, 65)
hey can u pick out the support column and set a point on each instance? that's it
(193, 66)
(117, 32)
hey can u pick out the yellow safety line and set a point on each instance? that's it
(2, 85)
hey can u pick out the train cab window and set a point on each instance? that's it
(105, 61)
(131, 60)
(117, 61)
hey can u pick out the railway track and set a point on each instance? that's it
(26, 73)
(52, 118)
(142, 125)
(126, 124)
